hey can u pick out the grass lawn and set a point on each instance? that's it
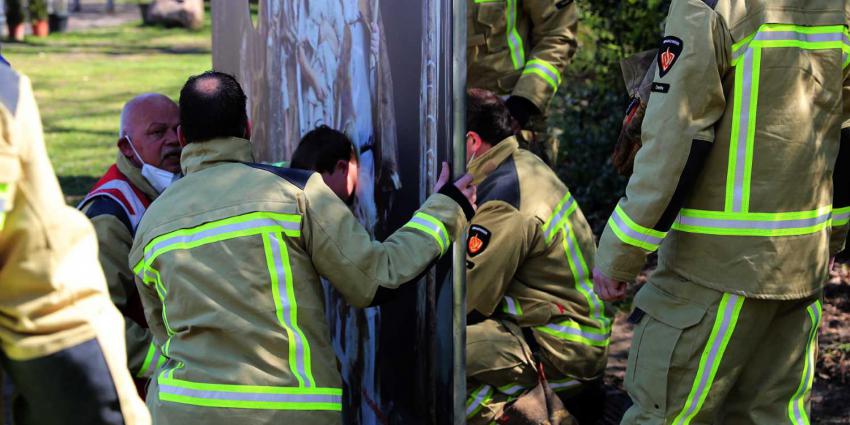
(81, 81)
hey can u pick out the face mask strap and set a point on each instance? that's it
(139, 157)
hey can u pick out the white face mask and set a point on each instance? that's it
(158, 178)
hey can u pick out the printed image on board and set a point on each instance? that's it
(372, 69)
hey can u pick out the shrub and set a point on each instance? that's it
(589, 107)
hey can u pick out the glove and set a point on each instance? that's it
(628, 142)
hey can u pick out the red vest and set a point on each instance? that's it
(115, 185)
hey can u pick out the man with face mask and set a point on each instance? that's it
(332, 154)
(148, 161)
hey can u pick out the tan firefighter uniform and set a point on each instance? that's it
(61, 337)
(229, 259)
(521, 48)
(115, 207)
(529, 260)
(734, 183)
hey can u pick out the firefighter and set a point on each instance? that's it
(61, 337)
(734, 186)
(529, 260)
(228, 261)
(519, 50)
(148, 162)
(330, 153)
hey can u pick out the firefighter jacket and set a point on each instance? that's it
(529, 259)
(520, 47)
(61, 337)
(115, 207)
(734, 181)
(228, 261)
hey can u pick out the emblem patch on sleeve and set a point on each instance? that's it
(668, 53)
(479, 238)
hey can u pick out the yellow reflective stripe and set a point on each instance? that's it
(514, 40)
(569, 330)
(564, 384)
(562, 211)
(511, 306)
(286, 307)
(480, 397)
(632, 233)
(582, 277)
(433, 227)
(840, 216)
(786, 35)
(796, 406)
(248, 396)
(544, 70)
(5, 202)
(723, 223)
(724, 326)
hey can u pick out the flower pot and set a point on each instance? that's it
(40, 28)
(57, 23)
(16, 31)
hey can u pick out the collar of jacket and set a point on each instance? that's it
(202, 155)
(482, 166)
(134, 174)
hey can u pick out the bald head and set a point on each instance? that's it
(149, 121)
(212, 106)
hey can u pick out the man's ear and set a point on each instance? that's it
(181, 138)
(477, 141)
(341, 166)
(124, 147)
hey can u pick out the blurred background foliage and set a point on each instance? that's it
(590, 105)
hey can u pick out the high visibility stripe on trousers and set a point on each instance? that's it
(797, 405)
(724, 326)
(271, 227)
(747, 61)
(247, 396)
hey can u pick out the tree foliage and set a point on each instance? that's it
(589, 107)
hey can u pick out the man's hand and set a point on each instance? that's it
(608, 289)
(464, 184)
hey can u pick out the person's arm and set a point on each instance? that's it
(554, 24)
(677, 134)
(357, 266)
(499, 239)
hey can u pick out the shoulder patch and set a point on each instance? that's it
(668, 53)
(501, 185)
(479, 238)
(104, 205)
(293, 175)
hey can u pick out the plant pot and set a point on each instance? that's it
(40, 28)
(57, 23)
(16, 31)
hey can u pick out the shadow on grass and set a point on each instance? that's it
(76, 187)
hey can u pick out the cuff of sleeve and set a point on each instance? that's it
(521, 109)
(535, 90)
(456, 195)
(618, 260)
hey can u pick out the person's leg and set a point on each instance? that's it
(498, 369)
(775, 386)
(688, 350)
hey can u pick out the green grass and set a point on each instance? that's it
(82, 80)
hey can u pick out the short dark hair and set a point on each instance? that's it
(212, 105)
(487, 115)
(321, 148)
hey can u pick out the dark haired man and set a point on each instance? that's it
(529, 256)
(228, 263)
(330, 153)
